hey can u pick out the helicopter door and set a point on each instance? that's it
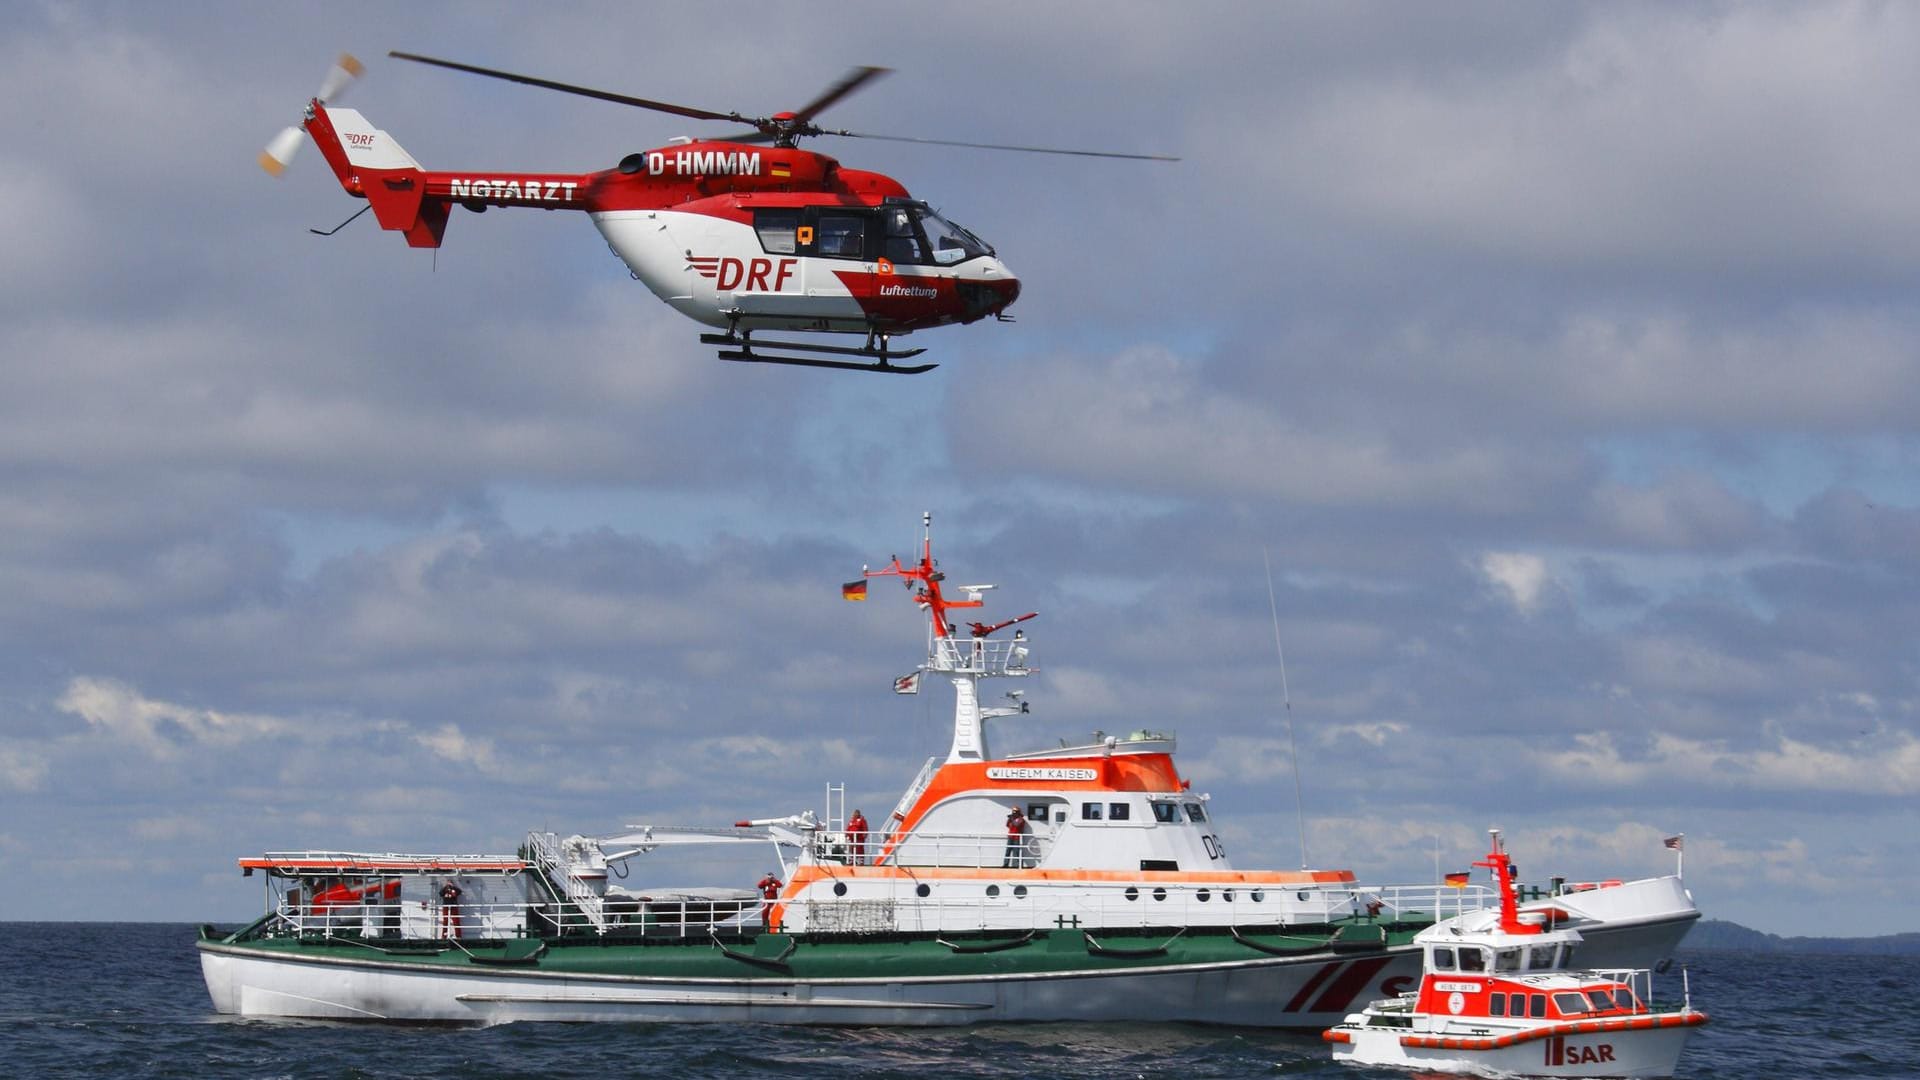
(843, 266)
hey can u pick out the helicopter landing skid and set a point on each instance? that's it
(881, 357)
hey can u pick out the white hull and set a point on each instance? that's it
(1644, 1053)
(1306, 992)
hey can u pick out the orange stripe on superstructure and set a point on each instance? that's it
(1119, 772)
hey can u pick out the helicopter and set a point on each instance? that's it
(743, 233)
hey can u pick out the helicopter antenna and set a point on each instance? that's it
(1286, 697)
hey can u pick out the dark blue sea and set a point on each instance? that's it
(126, 1000)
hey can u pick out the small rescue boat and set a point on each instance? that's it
(1499, 995)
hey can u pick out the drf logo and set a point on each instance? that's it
(748, 274)
(357, 138)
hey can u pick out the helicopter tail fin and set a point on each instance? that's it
(369, 163)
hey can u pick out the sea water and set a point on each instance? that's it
(126, 1000)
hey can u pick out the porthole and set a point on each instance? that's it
(921, 889)
(1256, 895)
(1020, 890)
(1302, 894)
(1159, 893)
(839, 888)
(993, 890)
(1131, 893)
(1203, 895)
(1226, 896)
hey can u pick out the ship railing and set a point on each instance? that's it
(1427, 901)
(968, 655)
(695, 917)
(969, 851)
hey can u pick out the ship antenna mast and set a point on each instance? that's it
(1286, 698)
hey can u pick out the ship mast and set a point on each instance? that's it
(964, 654)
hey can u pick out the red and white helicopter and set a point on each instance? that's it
(742, 233)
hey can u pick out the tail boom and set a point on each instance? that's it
(408, 199)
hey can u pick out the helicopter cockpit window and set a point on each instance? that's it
(903, 240)
(841, 236)
(777, 229)
(951, 243)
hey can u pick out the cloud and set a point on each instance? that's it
(1522, 577)
(1886, 766)
(162, 729)
(449, 742)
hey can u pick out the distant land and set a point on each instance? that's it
(1720, 934)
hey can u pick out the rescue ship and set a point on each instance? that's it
(1500, 995)
(1082, 882)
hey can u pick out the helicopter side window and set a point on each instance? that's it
(776, 229)
(841, 236)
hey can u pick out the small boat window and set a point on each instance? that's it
(1203, 895)
(1257, 895)
(1195, 812)
(922, 889)
(1118, 811)
(1473, 960)
(1602, 999)
(1089, 811)
(1443, 959)
(1132, 893)
(1506, 960)
(1226, 895)
(1497, 1005)
(1159, 893)
(1536, 1006)
(1571, 1003)
(1019, 890)
(1166, 813)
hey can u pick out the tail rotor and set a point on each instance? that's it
(280, 150)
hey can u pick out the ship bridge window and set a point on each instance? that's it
(1118, 811)
(1570, 1003)
(776, 228)
(1166, 813)
(1443, 959)
(1195, 812)
(1506, 960)
(1090, 811)
(1540, 957)
(1473, 960)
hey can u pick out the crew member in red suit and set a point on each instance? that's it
(1016, 840)
(449, 910)
(857, 837)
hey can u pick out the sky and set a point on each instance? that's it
(1561, 361)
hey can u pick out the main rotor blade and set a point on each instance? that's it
(583, 91)
(851, 81)
(1003, 146)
